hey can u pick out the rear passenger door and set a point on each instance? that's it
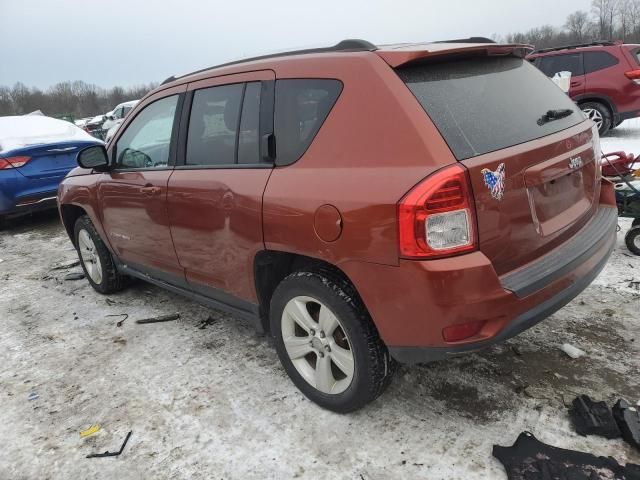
(215, 192)
(569, 62)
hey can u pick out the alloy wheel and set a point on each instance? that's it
(595, 116)
(89, 256)
(317, 345)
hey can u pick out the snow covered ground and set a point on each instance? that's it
(206, 397)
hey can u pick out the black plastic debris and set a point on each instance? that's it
(160, 318)
(628, 421)
(111, 454)
(593, 418)
(530, 459)
(74, 276)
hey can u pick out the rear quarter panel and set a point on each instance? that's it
(375, 145)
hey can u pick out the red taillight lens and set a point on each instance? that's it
(437, 217)
(462, 331)
(13, 162)
(633, 75)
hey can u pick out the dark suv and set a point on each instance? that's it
(605, 79)
(364, 205)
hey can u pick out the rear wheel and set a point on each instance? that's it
(599, 114)
(632, 239)
(95, 258)
(327, 342)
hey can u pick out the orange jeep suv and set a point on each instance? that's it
(364, 205)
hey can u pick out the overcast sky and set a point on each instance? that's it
(127, 42)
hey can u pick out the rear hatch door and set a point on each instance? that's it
(528, 149)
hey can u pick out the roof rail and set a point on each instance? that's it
(468, 40)
(349, 45)
(604, 43)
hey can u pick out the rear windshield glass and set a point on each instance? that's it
(484, 104)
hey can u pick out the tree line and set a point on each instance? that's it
(78, 99)
(606, 20)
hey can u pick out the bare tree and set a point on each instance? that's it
(624, 14)
(605, 13)
(578, 24)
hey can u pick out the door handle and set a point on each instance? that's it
(575, 84)
(150, 190)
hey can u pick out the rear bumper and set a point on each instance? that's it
(18, 196)
(417, 300)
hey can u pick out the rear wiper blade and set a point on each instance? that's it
(554, 115)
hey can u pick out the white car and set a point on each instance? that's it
(115, 116)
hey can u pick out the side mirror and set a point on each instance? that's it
(111, 117)
(94, 157)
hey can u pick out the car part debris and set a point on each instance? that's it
(33, 396)
(89, 431)
(593, 418)
(111, 454)
(66, 266)
(207, 323)
(121, 322)
(161, 318)
(74, 276)
(572, 351)
(628, 420)
(530, 459)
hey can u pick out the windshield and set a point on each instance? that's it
(484, 104)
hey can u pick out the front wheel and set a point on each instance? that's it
(95, 258)
(632, 239)
(599, 114)
(327, 342)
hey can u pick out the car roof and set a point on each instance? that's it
(394, 54)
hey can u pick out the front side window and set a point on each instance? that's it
(301, 107)
(562, 63)
(213, 125)
(146, 140)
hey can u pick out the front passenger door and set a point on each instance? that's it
(133, 194)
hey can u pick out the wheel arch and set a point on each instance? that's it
(69, 214)
(603, 99)
(273, 266)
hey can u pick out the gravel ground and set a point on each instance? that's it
(206, 398)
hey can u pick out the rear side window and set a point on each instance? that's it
(484, 104)
(594, 61)
(635, 53)
(301, 107)
(553, 64)
(213, 125)
(248, 144)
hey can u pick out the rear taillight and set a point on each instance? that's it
(437, 217)
(13, 162)
(633, 75)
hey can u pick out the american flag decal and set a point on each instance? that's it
(494, 181)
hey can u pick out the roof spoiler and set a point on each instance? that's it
(398, 58)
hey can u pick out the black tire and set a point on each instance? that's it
(636, 222)
(111, 281)
(373, 366)
(632, 239)
(604, 111)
